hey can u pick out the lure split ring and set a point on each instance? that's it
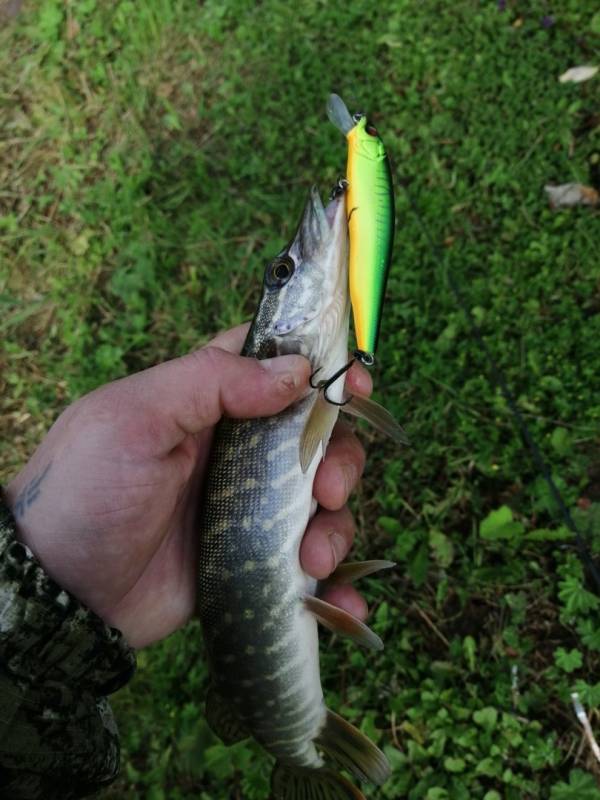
(340, 188)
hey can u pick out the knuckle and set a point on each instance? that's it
(349, 449)
(206, 364)
(353, 459)
(350, 524)
(207, 359)
(345, 524)
(357, 454)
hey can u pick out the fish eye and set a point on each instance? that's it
(279, 272)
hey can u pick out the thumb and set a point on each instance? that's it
(196, 390)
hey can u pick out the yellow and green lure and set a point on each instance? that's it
(370, 210)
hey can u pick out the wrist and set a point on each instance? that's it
(37, 519)
(47, 636)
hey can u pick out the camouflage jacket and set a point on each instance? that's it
(58, 662)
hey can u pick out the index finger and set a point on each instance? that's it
(358, 379)
(231, 340)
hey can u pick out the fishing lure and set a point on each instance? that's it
(370, 212)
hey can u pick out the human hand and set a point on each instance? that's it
(108, 501)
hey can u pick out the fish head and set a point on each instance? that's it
(305, 301)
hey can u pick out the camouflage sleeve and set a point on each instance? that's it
(58, 661)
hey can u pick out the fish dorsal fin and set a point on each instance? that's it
(378, 416)
(289, 783)
(340, 621)
(317, 430)
(352, 750)
(353, 570)
(222, 719)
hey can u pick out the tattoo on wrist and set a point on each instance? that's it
(30, 493)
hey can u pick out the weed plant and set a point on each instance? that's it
(154, 155)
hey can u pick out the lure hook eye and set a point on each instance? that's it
(368, 359)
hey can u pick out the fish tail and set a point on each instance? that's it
(352, 750)
(293, 783)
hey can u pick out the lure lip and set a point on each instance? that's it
(338, 114)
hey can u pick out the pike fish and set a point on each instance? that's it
(258, 608)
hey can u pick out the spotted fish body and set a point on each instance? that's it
(262, 642)
(260, 637)
(370, 208)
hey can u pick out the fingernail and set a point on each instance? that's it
(289, 371)
(338, 547)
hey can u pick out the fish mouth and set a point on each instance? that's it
(332, 208)
(317, 225)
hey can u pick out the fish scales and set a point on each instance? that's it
(253, 586)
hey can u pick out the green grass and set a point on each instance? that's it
(153, 155)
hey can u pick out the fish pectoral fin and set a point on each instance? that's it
(223, 720)
(288, 783)
(353, 570)
(378, 416)
(339, 621)
(317, 430)
(352, 750)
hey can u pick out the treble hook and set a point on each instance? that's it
(339, 188)
(324, 385)
(310, 380)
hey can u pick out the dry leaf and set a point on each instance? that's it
(73, 28)
(572, 194)
(9, 9)
(578, 74)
